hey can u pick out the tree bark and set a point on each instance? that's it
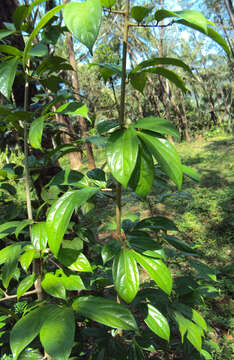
(75, 84)
(230, 10)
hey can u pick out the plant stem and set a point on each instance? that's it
(9, 297)
(26, 164)
(122, 109)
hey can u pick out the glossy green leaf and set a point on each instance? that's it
(25, 285)
(179, 244)
(142, 177)
(72, 282)
(10, 265)
(39, 50)
(157, 323)
(191, 173)
(20, 15)
(110, 249)
(57, 332)
(140, 12)
(74, 260)
(193, 17)
(35, 132)
(121, 152)
(203, 270)
(11, 50)
(53, 286)
(166, 156)
(44, 20)
(157, 270)
(30, 354)
(105, 126)
(170, 75)
(138, 80)
(27, 328)
(105, 311)
(39, 236)
(7, 76)
(61, 212)
(73, 109)
(26, 259)
(126, 275)
(83, 21)
(111, 69)
(160, 61)
(108, 3)
(142, 243)
(156, 223)
(198, 319)
(158, 125)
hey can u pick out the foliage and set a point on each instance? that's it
(76, 279)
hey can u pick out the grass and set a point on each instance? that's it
(205, 221)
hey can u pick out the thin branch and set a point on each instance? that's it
(152, 25)
(9, 297)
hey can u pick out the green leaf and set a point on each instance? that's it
(57, 332)
(138, 80)
(4, 33)
(8, 228)
(140, 12)
(193, 17)
(157, 270)
(30, 354)
(74, 260)
(112, 69)
(110, 249)
(84, 20)
(159, 61)
(5, 253)
(7, 76)
(27, 328)
(39, 236)
(39, 50)
(53, 286)
(179, 244)
(105, 126)
(108, 3)
(142, 177)
(158, 125)
(97, 176)
(20, 15)
(196, 21)
(194, 332)
(61, 212)
(11, 50)
(121, 152)
(141, 242)
(157, 323)
(44, 20)
(156, 223)
(69, 177)
(23, 224)
(191, 173)
(166, 156)
(170, 75)
(26, 259)
(73, 109)
(126, 275)
(105, 311)
(25, 285)
(35, 132)
(10, 265)
(72, 282)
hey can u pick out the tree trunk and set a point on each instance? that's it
(229, 7)
(75, 84)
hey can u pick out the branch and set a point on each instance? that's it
(9, 297)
